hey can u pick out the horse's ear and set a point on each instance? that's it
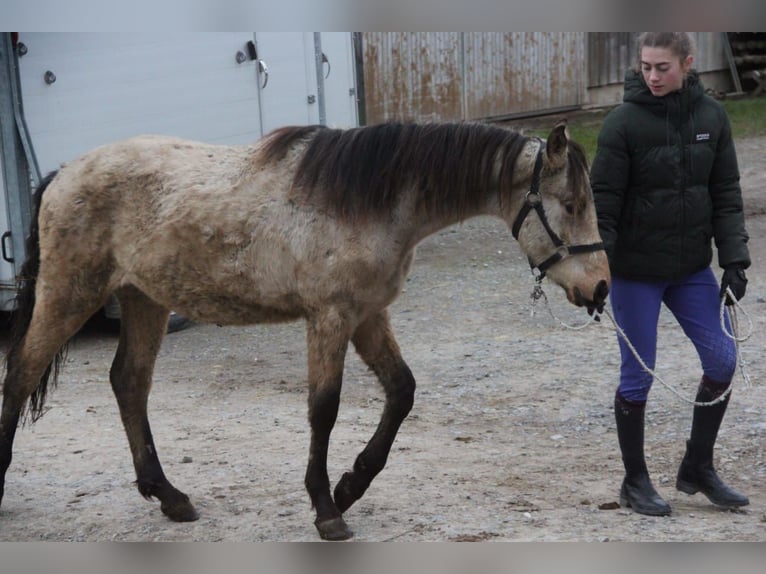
(556, 147)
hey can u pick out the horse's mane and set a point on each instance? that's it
(361, 172)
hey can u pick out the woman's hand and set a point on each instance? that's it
(734, 278)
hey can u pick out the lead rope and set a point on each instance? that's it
(734, 320)
(538, 293)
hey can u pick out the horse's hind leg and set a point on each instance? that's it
(375, 343)
(55, 319)
(142, 327)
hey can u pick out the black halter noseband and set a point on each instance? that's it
(533, 200)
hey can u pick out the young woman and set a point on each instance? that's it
(666, 185)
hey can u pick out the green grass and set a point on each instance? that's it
(747, 116)
(586, 134)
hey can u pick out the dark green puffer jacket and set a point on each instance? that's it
(666, 183)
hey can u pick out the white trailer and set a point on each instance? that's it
(81, 90)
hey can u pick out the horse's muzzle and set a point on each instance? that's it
(596, 303)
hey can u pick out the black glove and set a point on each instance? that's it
(735, 279)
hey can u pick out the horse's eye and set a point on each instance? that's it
(570, 208)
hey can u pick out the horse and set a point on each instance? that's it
(309, 223)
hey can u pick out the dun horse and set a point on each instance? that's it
(310, 223)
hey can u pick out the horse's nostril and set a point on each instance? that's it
(602, 290)
(578, 299)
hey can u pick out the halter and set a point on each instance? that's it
(533, 200)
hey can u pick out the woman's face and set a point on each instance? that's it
(663, 71)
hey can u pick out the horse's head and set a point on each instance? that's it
(555, 220)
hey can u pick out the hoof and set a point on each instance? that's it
(180, 511)
(333, 529)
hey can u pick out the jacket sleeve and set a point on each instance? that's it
(610, 173)
(729, 230)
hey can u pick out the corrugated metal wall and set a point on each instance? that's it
(440, 76)
(711, 54)
(610, 54)
(412, 76)
(508, 73)
(459, 75)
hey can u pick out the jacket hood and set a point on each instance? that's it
(638, 92)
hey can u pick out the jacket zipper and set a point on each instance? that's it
(682, 146)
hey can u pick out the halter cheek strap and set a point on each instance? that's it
(533, 201)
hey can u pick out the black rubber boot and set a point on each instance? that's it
(696, 473)
(637, 491)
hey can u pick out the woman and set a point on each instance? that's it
(666, 185)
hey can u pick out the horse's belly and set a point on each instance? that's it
(228, 299)
(233, 311)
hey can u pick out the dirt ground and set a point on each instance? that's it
(511, 438)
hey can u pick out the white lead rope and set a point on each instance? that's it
(538, 293)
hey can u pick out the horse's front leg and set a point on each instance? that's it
(327, 344)
(375, 343)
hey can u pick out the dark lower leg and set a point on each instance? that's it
(399, 400)
(26, 365)
(141, 331)
(323, 411)
(9, 420)
(327, 345)
(150, 478)
(375, 342)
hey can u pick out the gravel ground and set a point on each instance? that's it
(511, 438)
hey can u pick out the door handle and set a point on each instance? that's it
(326, 61)
(263, 69)
(6, 254)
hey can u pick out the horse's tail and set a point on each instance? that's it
(26, 282)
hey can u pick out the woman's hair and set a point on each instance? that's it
(680, 43)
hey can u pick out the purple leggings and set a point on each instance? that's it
(696, 306)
